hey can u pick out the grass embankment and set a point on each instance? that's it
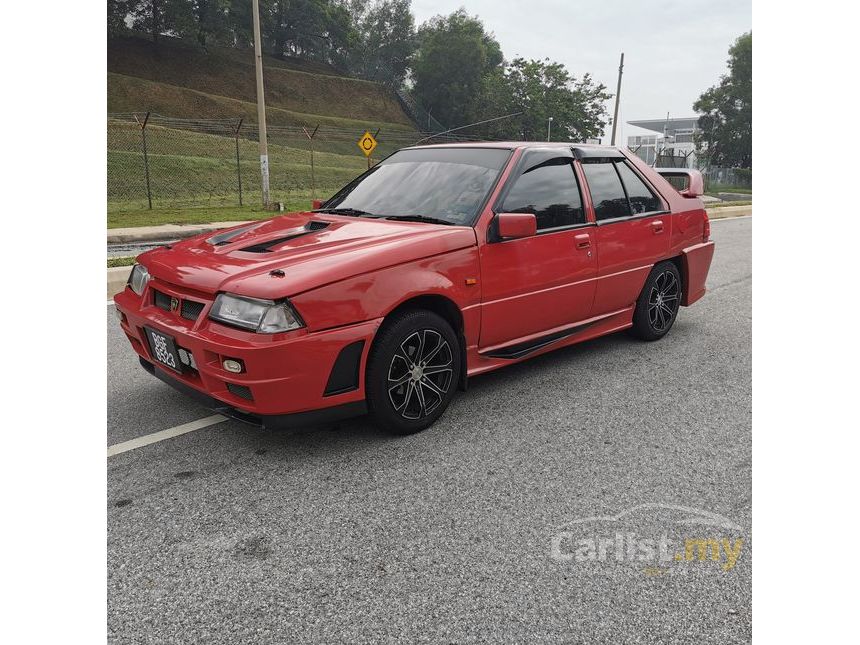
(121, 262)
(307, 88)
(713, 189)
(742, 202)
(195, 169)
(192, 169)
(142, 216)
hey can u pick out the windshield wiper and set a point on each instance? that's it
(419, 218)
(352, 212)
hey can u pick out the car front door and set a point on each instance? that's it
(533, 286)
(632, 232)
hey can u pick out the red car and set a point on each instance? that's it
(439, 263)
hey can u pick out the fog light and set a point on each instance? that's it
(232, 365)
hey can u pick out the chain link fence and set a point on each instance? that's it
(162, 162)
(717, 178)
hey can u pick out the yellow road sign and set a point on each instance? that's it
(367, 144)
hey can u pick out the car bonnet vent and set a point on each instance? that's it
(266, 247)
(224, 238)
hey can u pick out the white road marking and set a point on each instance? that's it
(155, 437)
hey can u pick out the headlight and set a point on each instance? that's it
(138, 278)
(263, 316)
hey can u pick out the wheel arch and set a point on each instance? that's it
(443, 307)
(679, 263)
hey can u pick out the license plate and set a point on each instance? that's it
(163, 349)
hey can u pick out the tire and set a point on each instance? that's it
(406, 394)
(657, 305)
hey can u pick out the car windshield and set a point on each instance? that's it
(443, 184)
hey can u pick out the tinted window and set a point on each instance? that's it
(642, 200)
(607, 193)
(445, 183)
(548, 190)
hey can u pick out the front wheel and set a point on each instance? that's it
(657, 306)
(412, 372)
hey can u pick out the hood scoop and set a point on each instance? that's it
(224, 238)
(266, 247)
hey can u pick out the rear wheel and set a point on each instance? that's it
(412, 371)
(657, 306)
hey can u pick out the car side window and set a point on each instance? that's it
(642, 200)
(607, 192)
(550, 191)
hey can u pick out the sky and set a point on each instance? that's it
(673, 49)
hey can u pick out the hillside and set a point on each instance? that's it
(307, 89)
(195, 164)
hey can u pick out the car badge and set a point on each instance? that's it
(174, 304)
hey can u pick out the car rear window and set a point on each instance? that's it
(642, 200)
(607, 192)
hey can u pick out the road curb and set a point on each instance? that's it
(116, 279)
(729, 211)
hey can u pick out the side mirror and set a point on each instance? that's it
(516, 225)
(316, 204)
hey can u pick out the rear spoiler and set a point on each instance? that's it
(686, 181)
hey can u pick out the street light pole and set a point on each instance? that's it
(617, 99)
(548, 127)
(261, 105)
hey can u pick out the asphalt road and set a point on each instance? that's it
(233, 535)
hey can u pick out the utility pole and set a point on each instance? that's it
(548, 126)
(261, 105)
(617, 98)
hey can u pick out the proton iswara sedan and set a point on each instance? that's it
(437, 264)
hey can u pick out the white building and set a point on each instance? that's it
(674, 143)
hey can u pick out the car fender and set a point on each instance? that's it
(376, 294)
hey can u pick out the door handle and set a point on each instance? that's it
(583, 241)
(657, 226)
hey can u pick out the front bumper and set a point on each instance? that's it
(284, 374)
(268, 421)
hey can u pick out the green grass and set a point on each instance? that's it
(742, 202)
(131, 94)
(142, 216)
(121, 262)
(230, 74)
(192, 174)
(713, 189)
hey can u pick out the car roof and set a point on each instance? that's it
(511, 145)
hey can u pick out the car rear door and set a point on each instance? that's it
(534, 285)
(632, 230)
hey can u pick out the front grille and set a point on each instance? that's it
(240, 391)
(191, 309)
(162, 300)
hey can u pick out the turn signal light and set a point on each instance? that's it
(232, 365)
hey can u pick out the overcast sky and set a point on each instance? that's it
(673, 49)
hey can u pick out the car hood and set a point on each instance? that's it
(297, 252)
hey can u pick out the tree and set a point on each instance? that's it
(726, 112)
(543, 89)
(157, 17)
(117, 10)
(209, 22)
(454, 56)
(312, 29)
(384, 40)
